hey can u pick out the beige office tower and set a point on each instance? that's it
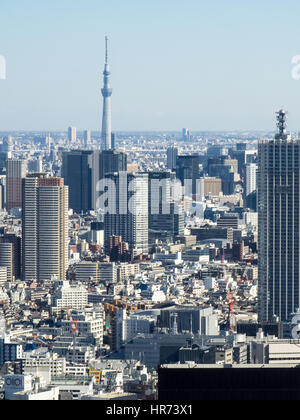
(72, 134)
(15, 170)
(45, 228)
(87, 137)
(210, 187)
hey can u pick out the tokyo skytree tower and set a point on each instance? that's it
(106, 93)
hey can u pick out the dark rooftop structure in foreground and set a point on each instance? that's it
(192, 382)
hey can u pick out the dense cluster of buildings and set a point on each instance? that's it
(130, 262)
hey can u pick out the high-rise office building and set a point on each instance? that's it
(72, 134)
(226, 169)
(210, 186)
(104, 163)
(130, 216)
(6, 145)
(35, 166)
(113, 141)
(217, 151)
(5, 152)
(172, 154)
(11, 243)
(44, 228)
(111, 161)
(83, 169)
(251, 170)
(244, 155)
(278, 179)
(106, 93)
(2, 191)
(164, 214)
(187, 168)
(77, 171)
(186, 134)
(15, 171)
(3, 159)
(7, 259)
(87, 137)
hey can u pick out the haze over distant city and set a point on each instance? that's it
(203, 65)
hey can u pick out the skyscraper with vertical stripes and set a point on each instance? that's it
(106, 136)
(44, 228)
(278, 180)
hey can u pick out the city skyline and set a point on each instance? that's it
(149, 212)
(221, 63)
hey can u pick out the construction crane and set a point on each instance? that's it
(74, 330)
(231, 303)
(223, 266)
(224, 272)
(36, 338)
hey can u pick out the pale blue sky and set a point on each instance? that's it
(206, 65)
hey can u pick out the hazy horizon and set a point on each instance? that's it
(176, 132)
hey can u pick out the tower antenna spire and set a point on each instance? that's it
(106, 50)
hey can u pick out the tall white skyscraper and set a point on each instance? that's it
(251, 170)
(72, 134)
(87, 137)
(106, 93)
(44, 228)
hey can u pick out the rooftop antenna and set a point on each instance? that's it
(281, 121)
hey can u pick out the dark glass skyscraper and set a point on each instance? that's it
(77, 171)
(111, 161)
(278, 237)
(82, 170)
(187, 168)
(172, 154)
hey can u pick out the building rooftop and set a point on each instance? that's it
(192, 365)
